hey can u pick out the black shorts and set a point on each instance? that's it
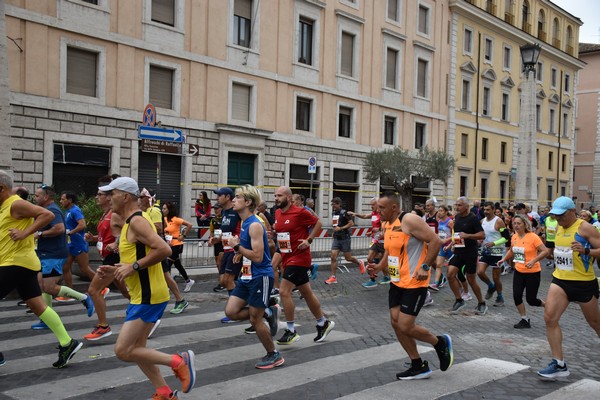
(579, 291)
(490, 260)
(217, 248)
(550, 245)
(410, 301)
(377, 248)
(228, 266)
(468, 260)
(20, 278)
(165, 265)
(111, 259)
(296, 274)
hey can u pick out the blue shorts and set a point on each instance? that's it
(149, 313)
(52, 267)
(445, 253)
(228, 266)
(255, 292)
(76, 249)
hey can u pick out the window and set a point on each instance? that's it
(345, 186)
(389, 127)
(466, 95)
(301, 180)
(538, 117)
(508, 15)
(556, 33)
(423, 23)
(569, 40)
(240, 101)
(345, 122)
(484, 148)
(82, 72)
(505, 106)
(507, 57)
(490, 7)
(563, 166)
(484, 184)
(305, 46)
(242, 22)
(468, 41)
(550, 189)
(391, 68)
(463, 186)
(552, 121)
(488, 50)
(161, 87)
(346, 65)
(502, 190)
(486, 101)
(503, 152)
(541, 26)
(464, 143)
(419, 135)
(393, 10)
(566, 125)
(553, 77)
(539, 72)
(567, 83)
(422, 81)
(525, 17)
(95, 2)
(550, 160)
(163, 12)
(303, 111)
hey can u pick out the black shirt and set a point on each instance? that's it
(343, 220)
(469, 224)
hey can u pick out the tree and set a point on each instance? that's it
(406, 170)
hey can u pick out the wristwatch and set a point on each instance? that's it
(236, 248)
(425, 267)
(136, 266)
(40, 234)
(309, 240)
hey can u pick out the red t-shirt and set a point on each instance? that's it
(105, 236)
(292, 228)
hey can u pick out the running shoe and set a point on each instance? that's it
(188, 285)
(443, 282)
(227, 320)
(522, 324)
(273, 320)
(490, 292)
(550, 264)
(172, 396)
(179, 306)
(499, 302)
(553, 371)
(2, 361)
(154, 328)
(250, 330)
(88, 303)
(64, 299)
(66, 353)
(98, 333)
(458, 305)
(481, 309)
(421, 372)
(105, 292)
(271, 360)
(332, 279)
(219, 288)
(428, 300)
(39, 326)
(186, 372)
(466, 296)
(22, 303)
(323, 331)
(385, 280)
(361, 266)
(369, 284)
(314, 271)
(435, 287)
(274, 292)
(445, 353)
(288, 337)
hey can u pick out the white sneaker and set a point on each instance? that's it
(428, 300)
(466, 296)
(156, 325)
(188, 285)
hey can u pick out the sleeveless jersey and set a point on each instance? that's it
(551, 227)
(570, 265)
(491, 235)
(444, 231)
(105, 236)
(20, 253)
(251, 269)
(146, 286)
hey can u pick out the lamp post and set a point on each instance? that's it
(526, 188)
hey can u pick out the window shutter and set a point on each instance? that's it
(423, 28)
(390, 72)
(161, 87)
(393, 9)
(421, 78)
(243, 8)
(163, 11)
(347, 53)
(81, 71)
(240, 103)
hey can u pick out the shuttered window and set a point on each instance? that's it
(347, 54)
(82, 68)
(240, 102)
(161, 87)
(163, 11)
(422, 78)
(391, 65)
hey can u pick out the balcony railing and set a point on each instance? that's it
(510, 18)
(542, 35)
(490, 8)
(556, 43)
(569, 49)
(527, 27)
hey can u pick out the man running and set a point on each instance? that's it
(292, 224)
(250, 298)
(577, 245)
(550, 227)
(142, 251)
(19, 265)
(410, 248)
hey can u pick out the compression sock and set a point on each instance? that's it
(66, 291)
(51, 318)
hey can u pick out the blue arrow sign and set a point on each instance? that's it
(155, 133)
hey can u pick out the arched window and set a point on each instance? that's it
(541, 33)
(490, 7)
(525, 17)
(508, 13)
(569, 40)
(556, 33)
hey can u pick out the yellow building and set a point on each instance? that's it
(486, 75)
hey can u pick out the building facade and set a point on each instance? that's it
(485, 85)
(255, 86)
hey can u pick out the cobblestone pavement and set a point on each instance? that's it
(358, 360)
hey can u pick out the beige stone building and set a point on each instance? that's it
(256, 87)
(485, 85)
(586, 173)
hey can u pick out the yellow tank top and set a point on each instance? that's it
(147, 286)
(19, 253)
(570, 265)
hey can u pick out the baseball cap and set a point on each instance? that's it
(562, 205)
(124, 184)
(226, 191)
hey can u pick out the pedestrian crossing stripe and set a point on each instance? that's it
(584, 389)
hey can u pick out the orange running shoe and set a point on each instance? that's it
(157, 396)
(105, 292)
(98, 333)
(186, 372)
(64, 299)
(361, 266)
(332, 279)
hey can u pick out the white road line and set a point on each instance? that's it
(584, 389)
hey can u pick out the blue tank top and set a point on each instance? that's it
(444, 230)
(264, 267)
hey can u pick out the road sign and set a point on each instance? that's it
(162, 147)
(312, 165)
(156, 133)
(149, 117)
(193, 149)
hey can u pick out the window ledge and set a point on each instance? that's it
(307, 66)
(243, 49)
(164, 26)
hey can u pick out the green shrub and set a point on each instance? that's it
(91, 211)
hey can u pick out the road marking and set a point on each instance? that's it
(584, 389)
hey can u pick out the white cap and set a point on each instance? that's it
(124, 184)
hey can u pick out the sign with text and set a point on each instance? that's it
(157, 133)
(162, 147)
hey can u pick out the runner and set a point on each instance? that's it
(172, 226)
(215, 232)
(142, 250)
(250, 298)
(292, 225)
(410, 248)
(19, 265)
(577, 244)
(445, 226)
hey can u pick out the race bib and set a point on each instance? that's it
(284, 242)
(519, 255)
(563, 258)
(336, 219)
(246, 270)
(169, 238)
(432, 228)
(99, 246)
(458, 241)
(225, 236)
(443, 235)
(218, 233)
(497, 251)
(393, 268)
(374, 218)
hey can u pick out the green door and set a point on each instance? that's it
(240, 169)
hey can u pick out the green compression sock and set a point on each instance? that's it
(51, 318)
(66, 291)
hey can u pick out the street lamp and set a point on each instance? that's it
(526, 187)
